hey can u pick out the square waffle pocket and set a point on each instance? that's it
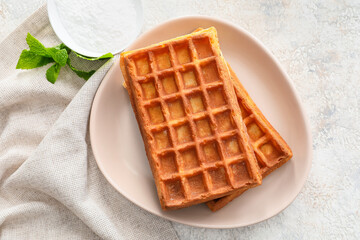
(182, 95)
(271, 150)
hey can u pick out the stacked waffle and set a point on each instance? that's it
(205, 139)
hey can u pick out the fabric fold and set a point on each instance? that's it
(50, 185)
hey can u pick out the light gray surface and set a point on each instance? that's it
(318, 45)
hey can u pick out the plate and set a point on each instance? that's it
(119, 149)
(67, 39)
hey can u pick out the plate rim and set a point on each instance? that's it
(288, 81)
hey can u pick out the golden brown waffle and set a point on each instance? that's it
(270, 149)
(184, 101)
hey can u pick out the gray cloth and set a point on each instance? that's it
(50, 185)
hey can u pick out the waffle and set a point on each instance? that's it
(194, 136)
(270, 149)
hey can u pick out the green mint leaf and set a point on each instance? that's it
(63, 46)
(83, 74)
(59, 55)
(36, 46)
(29, 60)
(53, 72)
(105, 56)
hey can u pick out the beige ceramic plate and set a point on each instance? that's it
(119, 150)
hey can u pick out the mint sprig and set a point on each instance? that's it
(29, 60)
(38, 55)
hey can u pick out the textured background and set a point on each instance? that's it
(318, 44)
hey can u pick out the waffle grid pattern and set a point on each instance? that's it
(266, 148)
(198, 151)
(270, 149)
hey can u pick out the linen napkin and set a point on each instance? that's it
(50, 185)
